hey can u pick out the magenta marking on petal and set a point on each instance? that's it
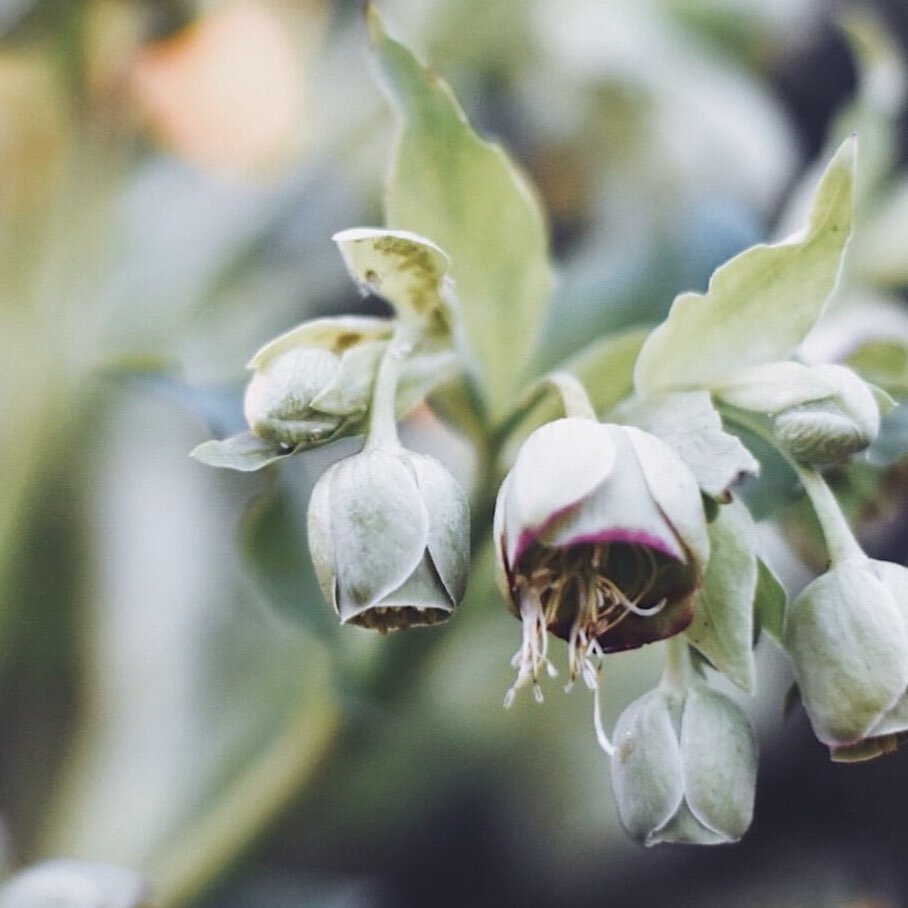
(623, 534)
(528, 536)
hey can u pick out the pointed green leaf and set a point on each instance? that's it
(689, 424)
(244, 452)
(469, 198)
(760, 304)
(405, 269)
(722, 628)
(770, 601)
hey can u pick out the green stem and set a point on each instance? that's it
(244, 811)
(383, 411)
(841, 544)
(840, 541)
(677, 665)
(574, 399)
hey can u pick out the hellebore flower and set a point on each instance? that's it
(389, 536)
(311, 381)
(847, 637)
(684, 768)
(601, 540)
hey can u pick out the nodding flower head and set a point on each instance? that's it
(601, 540)
(389, 536)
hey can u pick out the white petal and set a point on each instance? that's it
(674, 490)
(559, 465)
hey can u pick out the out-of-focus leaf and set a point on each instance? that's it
(690, 424)
(770, 600)
(467, 196)
(244, 452)
(760, 304)
(405, 269)
(722, 628)
(884, 362)
(275, 552)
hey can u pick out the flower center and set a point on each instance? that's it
(582, 593)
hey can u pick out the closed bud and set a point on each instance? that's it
(313, 381)
(389, 537)
(832, 428)
(601, 540)
(684, 768)
(847, 638)
(76, 884)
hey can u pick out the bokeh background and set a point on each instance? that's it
(174, 695)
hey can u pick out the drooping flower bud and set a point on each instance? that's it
(389, 538)
(311, 381)
(67, 883)
(601, 539)
(832, 428)
(684, 768)
(847, 638)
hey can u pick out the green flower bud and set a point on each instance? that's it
(601, 540)
(831, 428)
(684, 768)
(847, 638)
(76, 884)
(314, 380)
(389, 538)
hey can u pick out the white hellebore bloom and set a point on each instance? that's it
(66, 883)
(601, 540)
(390, 537)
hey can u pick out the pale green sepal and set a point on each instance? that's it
(849, 650)
(449, 527)
(403, 268)
(770, 601)
(350, 389)
(832, 428)
(685, 829)
(335, 334)
(646, 766)
(420, 591)
(719, 763)
(674, 489)
(320, 536)
(244, 452)
(722, 628)
(541, 487)
(380, 528)
(771, 387)
(691, 426)
(469, 197)
(759, 305)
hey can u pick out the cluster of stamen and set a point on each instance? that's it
(569, 591)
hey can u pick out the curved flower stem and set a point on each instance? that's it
(266, 786)
(840, 541)
(574, 399)
(677, 665)
(383, 410)
(841, 544)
